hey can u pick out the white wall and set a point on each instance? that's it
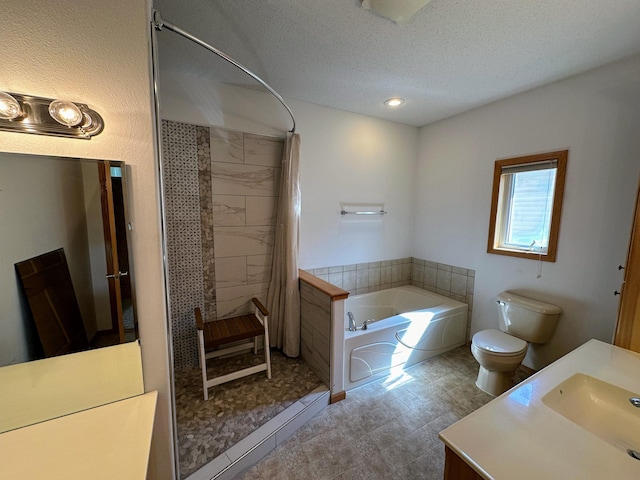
(98, 53)
(344, 157)
(445, 198)
(595, 116)
(95, 234)
(41, 210)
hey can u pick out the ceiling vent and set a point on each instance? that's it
(397, 10)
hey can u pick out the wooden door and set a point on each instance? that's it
(628, 328)
(47, 284)
(114, 273)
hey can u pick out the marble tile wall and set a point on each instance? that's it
(245, 170)
(220, 197)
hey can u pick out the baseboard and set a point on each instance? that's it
(338, 397)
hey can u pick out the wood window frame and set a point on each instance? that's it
(561, 157)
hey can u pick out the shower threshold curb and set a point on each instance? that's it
(251, 449)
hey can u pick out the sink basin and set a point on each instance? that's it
(603, 409)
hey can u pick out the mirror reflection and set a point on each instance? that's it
(66, 281)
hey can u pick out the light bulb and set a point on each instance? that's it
(65, 112)
(9, 107)
(394, 102)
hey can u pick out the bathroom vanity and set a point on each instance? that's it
(105, 442)
(573, 419)
(76, 416)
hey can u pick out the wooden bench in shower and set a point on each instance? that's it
(212, 336)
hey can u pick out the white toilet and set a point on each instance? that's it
(500, 352)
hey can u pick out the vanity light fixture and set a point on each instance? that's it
(9, 107)
(394, 102)
(65, 112)
(47, 116)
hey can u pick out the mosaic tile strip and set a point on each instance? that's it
(206, 221)
(182, 207)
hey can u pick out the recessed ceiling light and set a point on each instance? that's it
(394, 102)
(398, 11)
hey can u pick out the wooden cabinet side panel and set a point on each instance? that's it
(456, 469)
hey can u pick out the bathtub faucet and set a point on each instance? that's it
(352, 322)
(367, 322)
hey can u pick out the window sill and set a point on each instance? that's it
(544, 257)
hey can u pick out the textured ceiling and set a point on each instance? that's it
(454, 55)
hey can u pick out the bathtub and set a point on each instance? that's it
(405, 325)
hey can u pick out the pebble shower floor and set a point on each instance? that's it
(234, 409)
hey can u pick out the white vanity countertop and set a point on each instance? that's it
(107, 442)
(517, 436)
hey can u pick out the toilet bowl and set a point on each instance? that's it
(500, 352)
(499, 355)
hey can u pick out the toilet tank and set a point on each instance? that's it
(526, 318)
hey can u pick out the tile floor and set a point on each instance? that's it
(234, 409)
(387, 429)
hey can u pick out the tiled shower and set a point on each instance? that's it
(220, 191)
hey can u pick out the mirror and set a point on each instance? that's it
(74, 206)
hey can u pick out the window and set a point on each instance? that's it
(526, 205)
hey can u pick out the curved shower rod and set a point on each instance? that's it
(159, 23)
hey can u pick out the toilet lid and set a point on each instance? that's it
(498, 342)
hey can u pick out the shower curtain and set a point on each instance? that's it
(283, 299)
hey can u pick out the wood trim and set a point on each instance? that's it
(628, 327)
(199, 321)
(111, 247)
(493, 215)
(229, 330)
(260, 307)
(336, 293)
(337, 397)
(561, 156)
(455, 468)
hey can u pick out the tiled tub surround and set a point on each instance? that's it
(446, 280)
(220, 191)
(367, 277)
(315, 330)
(321, 309)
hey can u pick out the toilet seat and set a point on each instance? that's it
(499, 343)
